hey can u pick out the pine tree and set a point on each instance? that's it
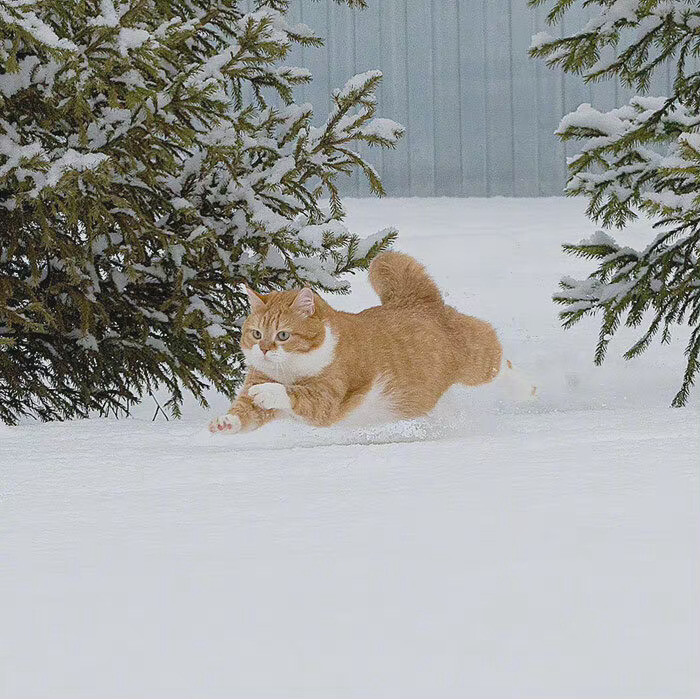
(641, 157)
(152, 158)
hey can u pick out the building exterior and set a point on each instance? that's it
(480, 113)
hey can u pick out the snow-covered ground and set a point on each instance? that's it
(492, 550)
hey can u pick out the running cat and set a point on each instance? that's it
(388, 362)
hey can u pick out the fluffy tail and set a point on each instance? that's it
(400, 280)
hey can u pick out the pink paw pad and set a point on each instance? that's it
(225, 423)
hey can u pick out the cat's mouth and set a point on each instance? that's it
(272, 357)
(257, 358)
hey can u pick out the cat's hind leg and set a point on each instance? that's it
(476, 346)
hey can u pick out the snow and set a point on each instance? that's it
(130, 38)
(30, 23)
(494, 549)
(212, 67)
(70, 160)
(671, 200)
(365, 245)
(586, 117)
(692, 139)
(356, 83)
(11, 83)
(540, 39)
(88, 342)
(109, 16)
(383, 128)
(599, 238)
(616, 11)
(282, 167)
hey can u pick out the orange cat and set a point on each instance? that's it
(393, 361)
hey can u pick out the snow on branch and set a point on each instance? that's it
(643, 156)
(150, 162)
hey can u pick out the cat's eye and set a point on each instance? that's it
(257, 334)
(282, 335)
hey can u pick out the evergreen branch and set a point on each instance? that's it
(144, 175)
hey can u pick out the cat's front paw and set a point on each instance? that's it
(270, 396)
(230, 424)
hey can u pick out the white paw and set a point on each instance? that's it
(270, 396)
(225, 423)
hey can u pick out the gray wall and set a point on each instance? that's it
(480, 113)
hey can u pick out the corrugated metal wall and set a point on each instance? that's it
(480, 113)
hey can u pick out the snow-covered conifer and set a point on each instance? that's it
(643, 156)
(152, 158)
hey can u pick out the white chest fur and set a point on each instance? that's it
(288, 367)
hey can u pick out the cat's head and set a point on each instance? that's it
(285, 335)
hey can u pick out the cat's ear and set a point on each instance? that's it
(256, 301)
(304, 302)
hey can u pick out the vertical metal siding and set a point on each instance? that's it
(480, 113)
